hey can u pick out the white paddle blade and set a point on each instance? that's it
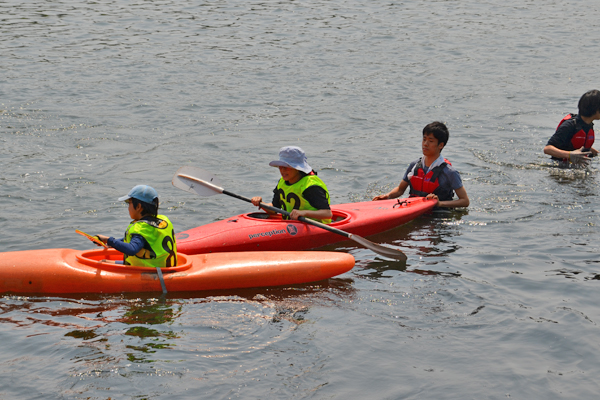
(190, 180)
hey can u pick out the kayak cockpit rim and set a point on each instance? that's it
(338, 217)
(104, 259)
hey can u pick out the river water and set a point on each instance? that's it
(496, 301)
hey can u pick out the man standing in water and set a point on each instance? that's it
(432, 176)
(572, 142)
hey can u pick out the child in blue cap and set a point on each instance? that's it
(150, 238)
(299, 191)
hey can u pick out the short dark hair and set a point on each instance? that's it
(438, 130)
(147, 208)
(589, 103)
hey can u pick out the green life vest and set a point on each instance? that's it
(290, 196)
(160, 249)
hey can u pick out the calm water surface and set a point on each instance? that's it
(498, 301)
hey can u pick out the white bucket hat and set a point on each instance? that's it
(294, 157)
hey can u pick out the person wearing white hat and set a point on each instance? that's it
(299, 191)
(149, 240)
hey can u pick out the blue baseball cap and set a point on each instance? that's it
(294, 157)
(143, 193)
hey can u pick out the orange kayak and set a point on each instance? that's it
(74, 271)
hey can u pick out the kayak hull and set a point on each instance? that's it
(259, 232)
(55, 271)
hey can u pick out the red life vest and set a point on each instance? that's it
(422, 184)
(580, 138)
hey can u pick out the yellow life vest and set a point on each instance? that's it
(160, 237)
(290, 196)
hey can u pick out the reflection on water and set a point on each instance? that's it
(96, 318)
(377, 269)
(431, 238)
(136, 311)
(150, 340)
(135, 338)
(431, 235)
(151, 312)
(381, 268)
(84, 335)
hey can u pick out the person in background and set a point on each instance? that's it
(150, 238)
(574, 136)
(432, 176)
(299, 190)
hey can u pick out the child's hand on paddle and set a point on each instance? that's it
(256, 201)
(101, 238)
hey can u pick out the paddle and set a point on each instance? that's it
(201, 182)
(101, 243)
(92, 238)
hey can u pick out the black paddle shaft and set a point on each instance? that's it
(287, 214)
(384, 251)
